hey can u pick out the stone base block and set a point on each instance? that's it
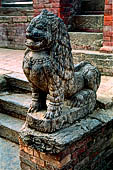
(68, 117)
(86, 145)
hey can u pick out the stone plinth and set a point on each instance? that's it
(84, 145)
(69, 115)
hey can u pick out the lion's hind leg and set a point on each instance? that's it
(90, 73)
(85, 98)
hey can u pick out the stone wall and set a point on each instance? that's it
(12, 31)
(52, 6)
(62, 8)
(103, 61)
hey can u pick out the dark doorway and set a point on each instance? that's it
(92, 6)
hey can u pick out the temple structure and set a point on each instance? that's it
(66, 9)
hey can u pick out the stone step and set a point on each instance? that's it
(17, 4)
(9, 155)
(103, 61)
(10, 127)
(17, 11)
(92, 12)
(17, 80)
(9, 1)
(89, 23)
(85, 40)
(15, 103)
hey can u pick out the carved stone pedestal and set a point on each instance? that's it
(85, 145)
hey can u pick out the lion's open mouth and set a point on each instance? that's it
(34, 45)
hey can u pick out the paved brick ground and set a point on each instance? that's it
(9, 155)
(11, 60)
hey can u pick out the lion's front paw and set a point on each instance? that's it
(34, 107)
(52, 114)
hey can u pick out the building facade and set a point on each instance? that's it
(66, 9)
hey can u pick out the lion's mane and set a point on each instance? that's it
(60, 50)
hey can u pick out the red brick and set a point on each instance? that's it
(36, 153)
(28, 150)
(108, 18)
(38, 161)
(55, 163)
(108, 7)
(108, 44)
(108, 23)
(106, 38)
(24, 155)
(108, 33)
(55, 5)
(75, 155)
(25, 166)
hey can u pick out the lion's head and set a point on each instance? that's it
(48, 32)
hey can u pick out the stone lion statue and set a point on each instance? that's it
(48, 66)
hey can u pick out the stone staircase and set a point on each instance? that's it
(14, 103)
(87, 36)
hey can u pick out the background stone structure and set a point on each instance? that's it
(65, 9)
(86, 38)
(108, 27)
(13, 29)
(62, 8)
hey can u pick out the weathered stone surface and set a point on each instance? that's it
(103, 61)
(69, 116)
(9, 155)
(93, 150)
(17, 80)
(57, 141)
(48, 66)
(10, 127)
(13, 28)
(103, 115)
(15, 103)
(16, 11)
(86, 40)
(3, 83)
(91, 23)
